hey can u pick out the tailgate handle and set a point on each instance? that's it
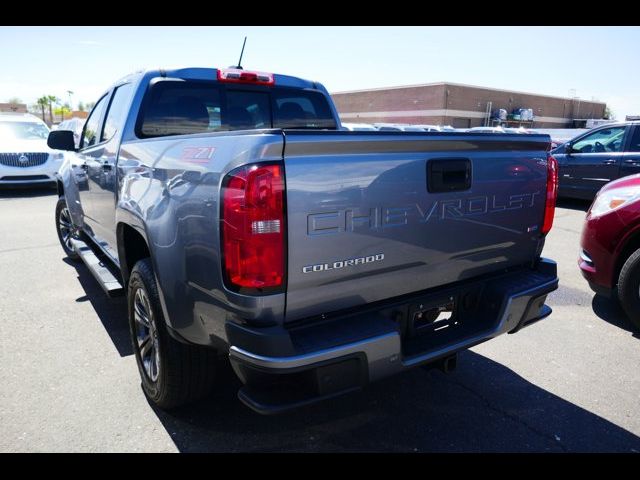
(448, 175)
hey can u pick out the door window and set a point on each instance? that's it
(117, 113)
(635, 140)
(90, 133)
(602, 141)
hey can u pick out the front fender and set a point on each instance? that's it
(68, 178)
(626, 245)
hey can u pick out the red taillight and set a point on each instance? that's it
(253, 225)
(552, 194)
(235, 75)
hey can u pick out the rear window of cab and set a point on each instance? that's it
(188, 107)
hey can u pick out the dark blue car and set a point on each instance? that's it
(596, 157)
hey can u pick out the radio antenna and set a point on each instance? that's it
(239, 66)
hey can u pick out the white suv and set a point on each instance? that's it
(25, 157)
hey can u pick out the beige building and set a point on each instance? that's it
(460, 106)
(13, 107)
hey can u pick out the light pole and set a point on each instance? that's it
(69, 92)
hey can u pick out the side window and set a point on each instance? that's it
(117, 113)
(90, 133)
(603, 141)
(301, 109)
(635, 140)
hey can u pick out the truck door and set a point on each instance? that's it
(102, 170)
(631, 158)
(594, 160)
(90, 149)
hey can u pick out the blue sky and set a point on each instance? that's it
(597, 62)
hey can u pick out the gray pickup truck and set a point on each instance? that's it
(243, 223)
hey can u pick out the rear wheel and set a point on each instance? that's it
(65, 228)
(629, 288)
(172, 373)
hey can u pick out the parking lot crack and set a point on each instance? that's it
(570, 230)
(555, 439)
(35, 247)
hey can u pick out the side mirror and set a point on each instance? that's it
(568, 148)
(61, 140)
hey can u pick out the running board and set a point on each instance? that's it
(98, 268)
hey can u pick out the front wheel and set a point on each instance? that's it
(65, 228)
(629, 288)
(172, 373)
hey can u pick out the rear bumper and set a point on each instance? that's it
(342, 354)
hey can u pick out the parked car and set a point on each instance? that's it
(411, 128)
(593, 159)
(560, 136)
(486, 130)
(437, 128)
(75, 125)
(556, 143)
(498, 129)
(516, 130)
(242, 223)
(397, 127)
(610, 255)
(387, 127)
(359, 127)
(25, 158)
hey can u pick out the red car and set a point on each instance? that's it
(610, 255)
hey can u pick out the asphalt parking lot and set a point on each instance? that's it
(69, 382)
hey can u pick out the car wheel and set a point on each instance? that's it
(629, 288)
(65, 228)
(172, 373)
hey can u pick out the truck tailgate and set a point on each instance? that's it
(375, 215)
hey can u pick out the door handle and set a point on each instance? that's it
(610, 161)
(632, 162)
(106, 166)
(448, 175)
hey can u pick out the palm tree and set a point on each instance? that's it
(62, 110)
(52, 99)
(42, 103)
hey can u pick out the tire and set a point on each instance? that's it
(629, 288)
(172, 373)
(65, 228)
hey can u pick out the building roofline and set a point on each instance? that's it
(398, 87)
